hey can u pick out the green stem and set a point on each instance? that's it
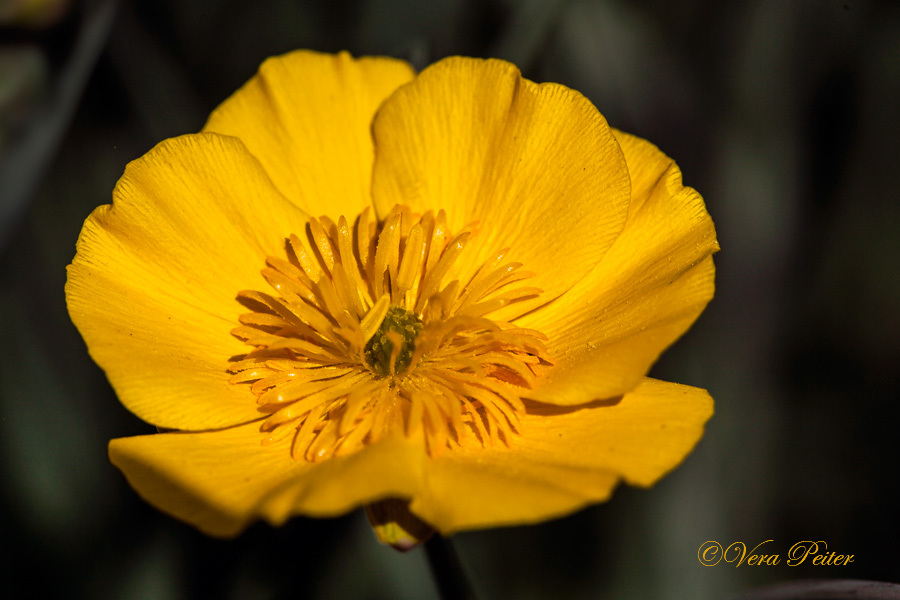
(446, 570)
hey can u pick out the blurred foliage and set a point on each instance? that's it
(783, 114)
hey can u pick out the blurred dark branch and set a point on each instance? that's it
(24, 163)
(159, 85)
(836, 589)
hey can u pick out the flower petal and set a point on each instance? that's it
(647, 165)
(153, 285)
(536, 165)
(565, 458)
(307, 117)
(220, 481)
(608, 330)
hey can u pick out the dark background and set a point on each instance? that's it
(784, 114)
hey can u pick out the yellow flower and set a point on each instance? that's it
(359, 284)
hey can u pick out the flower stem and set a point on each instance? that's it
(446, 570)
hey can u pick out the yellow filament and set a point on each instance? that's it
(307, 368)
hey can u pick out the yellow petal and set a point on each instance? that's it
(657, 278)
(221, 481)
(565, 458)
(536, 165)
(307, 117)
(153, 285)
(640, 437)
(647, 164)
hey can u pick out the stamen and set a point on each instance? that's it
(363, 338)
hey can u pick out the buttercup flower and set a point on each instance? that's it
(435, 295)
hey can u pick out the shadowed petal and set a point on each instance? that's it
(220, 481)
(153, 285)
(650, 287)
(566, 458)
(307, 117)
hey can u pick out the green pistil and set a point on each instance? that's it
(379, 348)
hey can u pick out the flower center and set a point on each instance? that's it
(398, 331)
(363, 339)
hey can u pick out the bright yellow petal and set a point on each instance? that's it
(153, 285)
(641, 437)
(307, 117)
(536, 165)
(221, 481)
(565, 458)
(647, 165)
(654, 282)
